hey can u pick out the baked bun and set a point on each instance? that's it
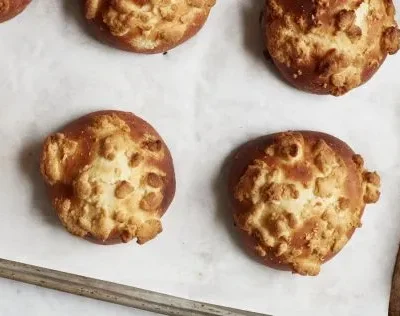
(11, 8)
(110, 177)
(147, 26)
(329, 46)
(298, 197)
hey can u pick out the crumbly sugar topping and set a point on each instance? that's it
(147, 24)
(341, 42)
(118, 191)
(303, 208)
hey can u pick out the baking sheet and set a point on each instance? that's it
(41, 301)
(205, 98)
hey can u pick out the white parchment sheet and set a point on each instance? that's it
(205, 98)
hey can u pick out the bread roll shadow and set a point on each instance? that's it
(74, 11)
(224, 212)
(253, 40)
(29, 163)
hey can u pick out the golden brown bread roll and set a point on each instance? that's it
(147, 26)
(11, 8)
(297, 198)
(110, 177)
(329, 46)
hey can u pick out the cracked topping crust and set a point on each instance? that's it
(330, 46)
(147, 26)
(110, 177)
(298, 197)
(11, 8)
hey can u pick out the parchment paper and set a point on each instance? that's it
(205, 98)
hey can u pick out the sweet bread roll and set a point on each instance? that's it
(110, 177)
(327, 46)
(147, 26)
(298, 197)
(11, 8)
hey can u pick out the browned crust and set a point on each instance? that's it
(77, 130)
(255, 150)
(305, 73)
(394, 306)
(310, 82)
(102, 33)
(11, 8)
